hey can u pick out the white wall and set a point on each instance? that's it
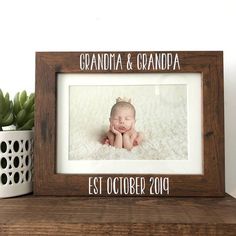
(27, 26)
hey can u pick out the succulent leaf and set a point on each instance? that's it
(30, 116)
(2, 103)
(32, 108)
(32, 95)
(23, 98)
(20, 117)
(6, 111)
(7, 102)
(16, 106)
(28, 104)
(24, 105)
(8, 119)
(28, 125)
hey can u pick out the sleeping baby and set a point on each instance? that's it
(122, 133)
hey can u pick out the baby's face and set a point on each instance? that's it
(122, 119)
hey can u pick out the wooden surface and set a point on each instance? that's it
(31, 215)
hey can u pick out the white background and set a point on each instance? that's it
(28, 26)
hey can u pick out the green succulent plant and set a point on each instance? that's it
(19, 112)
(23, 109)
(6, 110)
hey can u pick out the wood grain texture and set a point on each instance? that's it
(31, 215)
(48, 182)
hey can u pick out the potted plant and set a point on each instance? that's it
(16, 144)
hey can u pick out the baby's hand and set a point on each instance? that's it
(131, 131)
(114, 131)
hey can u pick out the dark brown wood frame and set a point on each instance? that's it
(48, 182)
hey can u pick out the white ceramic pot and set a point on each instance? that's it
(16, 163)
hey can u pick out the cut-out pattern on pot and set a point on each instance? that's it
(16, 163)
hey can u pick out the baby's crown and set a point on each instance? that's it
(124, 99)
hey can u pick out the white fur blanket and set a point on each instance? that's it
(161, 114)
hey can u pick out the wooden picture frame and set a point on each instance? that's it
(47, 179)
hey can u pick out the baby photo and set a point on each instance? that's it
(122, 133)
(128, 122)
